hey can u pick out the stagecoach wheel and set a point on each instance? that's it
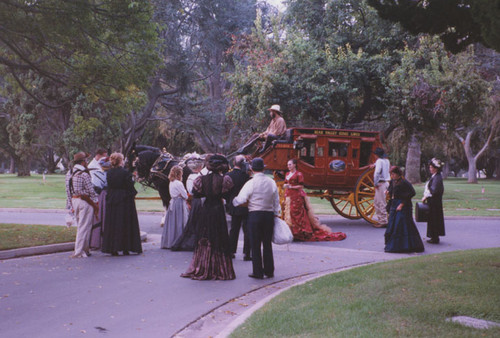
(364, 196)
(344, 205)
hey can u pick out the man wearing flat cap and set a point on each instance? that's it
(276, 129)
(262, 196)
(82, 201)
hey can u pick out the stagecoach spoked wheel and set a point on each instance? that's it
(364, 196)
(343, 203)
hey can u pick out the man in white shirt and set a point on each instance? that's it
(94, 167)
(262, 196)
(381, 178)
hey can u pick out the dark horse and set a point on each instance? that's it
(153, 166)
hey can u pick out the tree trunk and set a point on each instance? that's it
(446, 170)
(412, 172)
(51, 163)
(12, 168)
(23, 168)
(471, 159)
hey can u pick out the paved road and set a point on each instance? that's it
(143, 296)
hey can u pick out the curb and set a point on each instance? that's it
(37, 250)
(45, 249)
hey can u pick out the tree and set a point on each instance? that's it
(323, 63)
(458, 23)
(187, 91)
(98, 46)
(83, 66)
(412, 95)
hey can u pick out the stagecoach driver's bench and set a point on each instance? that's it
(275, 131)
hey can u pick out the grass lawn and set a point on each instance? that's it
(13, 236)
(33, 192)
(406, 298)
(460, 198)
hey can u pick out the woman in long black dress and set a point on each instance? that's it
(189, 237)
(433, 194)
(401, 234)
(121, 227)
(212, 254)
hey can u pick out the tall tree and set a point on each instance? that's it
(57, 54)
(458, 23)
(187, 91)
(323, 63)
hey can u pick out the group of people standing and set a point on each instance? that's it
(101, 198)
(396, 216)
(101, 195)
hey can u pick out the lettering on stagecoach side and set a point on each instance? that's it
(336, 132)
(333, 132)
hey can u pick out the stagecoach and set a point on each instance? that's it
(335, 164)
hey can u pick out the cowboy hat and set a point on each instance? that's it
(276, 108)
(80, 156)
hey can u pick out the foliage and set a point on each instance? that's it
(97, 46)
(323, 63)
(458, 23)
(73, 71)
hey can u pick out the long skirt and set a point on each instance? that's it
(175, 221)
(97, 227)
(402, 234)
(187, 241)
(304, 224)
(212, 253)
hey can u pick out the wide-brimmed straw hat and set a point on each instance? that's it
(276, 108)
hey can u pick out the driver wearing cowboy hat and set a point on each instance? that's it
(276, 129)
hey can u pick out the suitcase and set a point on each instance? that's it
(421, 212)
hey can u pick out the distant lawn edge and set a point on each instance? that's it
(16, 236)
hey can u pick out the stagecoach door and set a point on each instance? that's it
(339, 162)
(311, 161)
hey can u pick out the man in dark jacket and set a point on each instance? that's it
(239, 214)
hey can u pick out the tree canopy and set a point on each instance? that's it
(458, 23)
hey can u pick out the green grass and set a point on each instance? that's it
(14, 236)
(405, 298)
(460, 198)
(33, 192)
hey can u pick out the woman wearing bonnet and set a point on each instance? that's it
(433, 194)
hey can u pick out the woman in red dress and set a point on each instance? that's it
(298, 211)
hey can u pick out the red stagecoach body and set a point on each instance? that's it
(335, 164)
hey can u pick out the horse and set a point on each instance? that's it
(153, 167)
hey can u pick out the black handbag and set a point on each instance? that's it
(421, 212)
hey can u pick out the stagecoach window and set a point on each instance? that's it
(307, 153)
(337, 149)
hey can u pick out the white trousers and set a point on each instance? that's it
(380, 202)
(84, 215)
